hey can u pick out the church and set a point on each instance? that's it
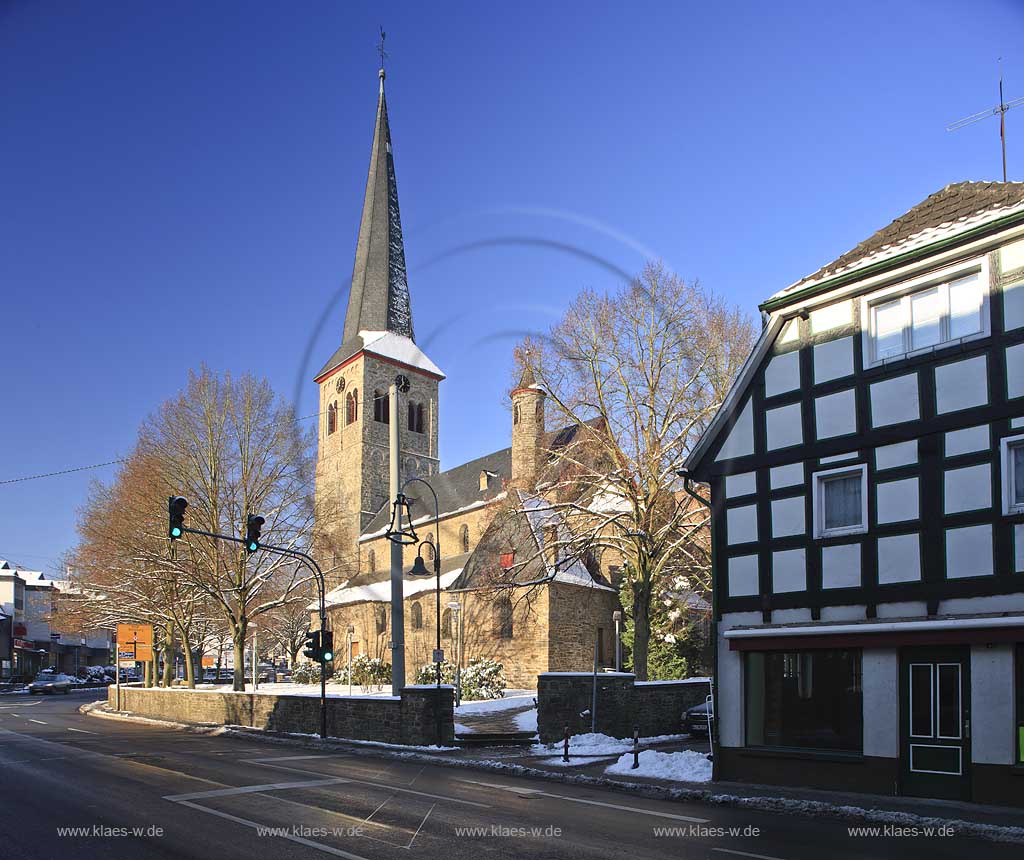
(564, 609)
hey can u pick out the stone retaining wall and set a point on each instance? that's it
(411, 718)
(655, 707)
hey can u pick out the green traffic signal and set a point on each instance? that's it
(176, 516)
(253, 527)
(326, 646)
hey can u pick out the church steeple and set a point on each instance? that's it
(379, 299)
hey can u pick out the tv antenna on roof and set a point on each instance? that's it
(999, 109)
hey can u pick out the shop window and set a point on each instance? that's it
(804, 699)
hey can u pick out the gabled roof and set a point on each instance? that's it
(385, 344)
(957, 208)
(374, 586)
(379, 298)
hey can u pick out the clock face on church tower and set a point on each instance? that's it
(339, 386)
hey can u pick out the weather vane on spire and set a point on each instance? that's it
(380, 48)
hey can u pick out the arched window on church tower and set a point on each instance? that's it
(515, 414)
(332, 418)
(417, 617)
(351, 406)
(415, 417)
(464, 537)
(503, 617)
(381, 406)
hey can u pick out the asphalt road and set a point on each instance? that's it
(81, 787)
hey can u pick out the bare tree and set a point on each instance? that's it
(639, 374)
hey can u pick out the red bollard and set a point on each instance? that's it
(636, 748)
(565, 749)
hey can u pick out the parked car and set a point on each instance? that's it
(697, 718)
(50, 682)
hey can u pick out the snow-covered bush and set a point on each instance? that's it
(483, 678)
(306, 673)
(367, 671)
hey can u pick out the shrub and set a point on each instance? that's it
(483, 678)
(370, 672)
(306, 673)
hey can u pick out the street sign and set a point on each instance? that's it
(138, 637)
(439, 655)
(126, 655)
(209, 660)
(126, 664)
(55, 637)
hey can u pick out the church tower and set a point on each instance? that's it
(377, 346)
(527, 431)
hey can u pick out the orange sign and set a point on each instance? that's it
(209, 660)
(137, 638)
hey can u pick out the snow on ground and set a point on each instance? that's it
(598, 745)
(684, 766)
(527, 720)
(512, 699)
(288, 689)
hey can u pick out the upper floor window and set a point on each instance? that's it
(351, 406)
(840, 501)
(381, 407)
(503, 617)
(415, 417)
(332, 418)
(1013, 474)
(464, 537)
(417, 617)
(902, 323)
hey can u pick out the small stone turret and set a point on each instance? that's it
(527, 430)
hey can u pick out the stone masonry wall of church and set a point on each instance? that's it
(575, 614)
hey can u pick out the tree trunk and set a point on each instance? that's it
(168, 651)
(238, 640)
(189, 657)
(641, 627)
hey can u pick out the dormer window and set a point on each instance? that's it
(902, 321)
(485, 479)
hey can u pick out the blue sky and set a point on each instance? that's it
(181, 183)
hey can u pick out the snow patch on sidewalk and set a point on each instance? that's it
(597, 744)
(512, 699)
(684, 766)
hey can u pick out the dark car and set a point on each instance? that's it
(697, 718)
(50, 682)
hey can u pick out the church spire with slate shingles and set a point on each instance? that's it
(379, 299)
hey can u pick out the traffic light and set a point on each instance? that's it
(176, 516)
(253, 527)
(311, 646)
(327, 646)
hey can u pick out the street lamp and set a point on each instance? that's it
(456, 608)
(348, 636)
(617, 618)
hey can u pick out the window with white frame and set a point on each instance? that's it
(900, 321)
(1013, 474)
(840, 501)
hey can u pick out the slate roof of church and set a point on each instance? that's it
(954, 208)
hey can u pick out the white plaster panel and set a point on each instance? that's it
(740, 485)
(1013, 306)
(897, 501)
(730, 689)
(831, 316)
(843, 613)
(893, 456)
(968, 488)
(791, 333)
(840, 458)
(741, 524)
(787, 476)
(836, 414)
(899, 559)
(840, 566)
(788, 517)
(961, 385)
(784, 426)
(1016, 422)
(833, 359)
(1018, 548)
(739, 619)
(967, 440)
(1011, 256)
(789, 571)
(969, 551)
(1015, 370)
(782, 374)
(791, 616)
(985, 603)
(895, 400)
(881, 697)
(743, 576)
(740, 441)
(902, 609)
(992, 717)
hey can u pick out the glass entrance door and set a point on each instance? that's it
(935, 722)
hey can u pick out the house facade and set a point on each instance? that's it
(867, 479)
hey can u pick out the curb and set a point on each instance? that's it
(789, 806)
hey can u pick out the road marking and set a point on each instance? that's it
(37, 721)
(418, 829)
(538, 793)
(319, 846)
(746, 854)
(81, 731)
(249, 789)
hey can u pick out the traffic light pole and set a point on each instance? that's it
(319, 576)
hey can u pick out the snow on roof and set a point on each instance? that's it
(380, 592)
(540, 514)
(398, 348)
